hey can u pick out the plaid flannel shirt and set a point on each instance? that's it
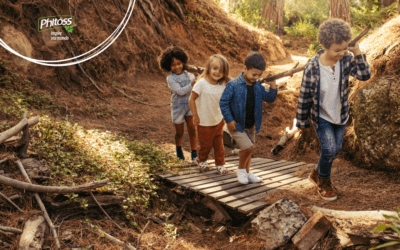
(308, 104)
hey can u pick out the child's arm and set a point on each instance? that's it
(359, 67)
(269, 96)
(193, 108)
(176, 87)
(224, 102)
(305, 99)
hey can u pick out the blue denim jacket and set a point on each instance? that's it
(180, 86)
(233, 102)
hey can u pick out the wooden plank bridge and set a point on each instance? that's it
(228, 191)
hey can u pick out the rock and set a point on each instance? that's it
(312, 231)
(377, 122)
(287, 43)
(277, 223)
(220, 214)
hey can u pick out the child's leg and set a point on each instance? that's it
(205, 134)
(179, 130)
(192, 132)
(219, 150)
(245, 159)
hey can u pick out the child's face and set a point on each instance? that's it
(336, 51)
(176, 66)
(251, 75)
(216, 71)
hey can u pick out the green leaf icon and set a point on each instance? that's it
(69, 28)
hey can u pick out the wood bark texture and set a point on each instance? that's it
(386, 3)
(273, 12)
(41, 205)
(50, 189)
(339, 9)
(10, 229)
(33, 235)
(13, 131)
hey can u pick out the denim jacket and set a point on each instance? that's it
(308, 103)
(233, 102)
(180, 86)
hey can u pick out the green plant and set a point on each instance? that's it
(395, 227)
(249, 11)
(303, 28)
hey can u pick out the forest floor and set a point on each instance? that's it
(359, 188)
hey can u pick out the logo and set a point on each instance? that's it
(53, 22)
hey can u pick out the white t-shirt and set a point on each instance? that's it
(207, 103)
(330, 93)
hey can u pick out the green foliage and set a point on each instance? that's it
(362, 15)
(302, 28)
(395, 227)
(310, 11)
(313, 48)
(249, 11)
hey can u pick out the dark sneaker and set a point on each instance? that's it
(313, 177)
(326, 190)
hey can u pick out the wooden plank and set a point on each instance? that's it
(229, 166)
(242, 188)
(253, 207)
(212, 176)
(196, 168)
(199, 185)
(266, 175)
(229, 201)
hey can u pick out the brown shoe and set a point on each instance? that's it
(326, 190)
(313, 177)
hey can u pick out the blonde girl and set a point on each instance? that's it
(204, 104)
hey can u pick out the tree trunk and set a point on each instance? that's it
(273, 13)
(398, 9)
(339, 9)
(386, 3)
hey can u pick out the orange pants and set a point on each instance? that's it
(209, 137)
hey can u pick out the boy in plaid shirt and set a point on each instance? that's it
(324, 96)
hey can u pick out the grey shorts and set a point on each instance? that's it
(245, 139)
(179, 111)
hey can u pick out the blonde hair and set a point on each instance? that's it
(223, 66)
(334, 30)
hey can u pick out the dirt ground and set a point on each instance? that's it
(359, 188)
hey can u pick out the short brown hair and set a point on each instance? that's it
(334, 30)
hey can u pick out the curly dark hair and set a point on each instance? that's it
(334, 30)
(165, 59)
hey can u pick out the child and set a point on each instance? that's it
(204, 103)
(180, 82)
(324, 96)
(241, 105)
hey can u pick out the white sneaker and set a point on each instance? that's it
(242, 176)
(253, 178)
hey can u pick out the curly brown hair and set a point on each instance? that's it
(334, 30)
(167, 56)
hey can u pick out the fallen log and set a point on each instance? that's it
(40, 203)
(4, 160)
(11, 202)
(100, 232)
(50, 189)
(220, 214)
(10, 229)
(14, 130)
(33, 234)
(194, 69)
(286, 137)
(349, 215)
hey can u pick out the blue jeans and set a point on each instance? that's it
(330, 137)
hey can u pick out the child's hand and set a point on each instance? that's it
(196, 120)
(232, 126)
(272, 84)
(355, 50)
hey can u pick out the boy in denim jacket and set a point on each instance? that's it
(241, 107)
